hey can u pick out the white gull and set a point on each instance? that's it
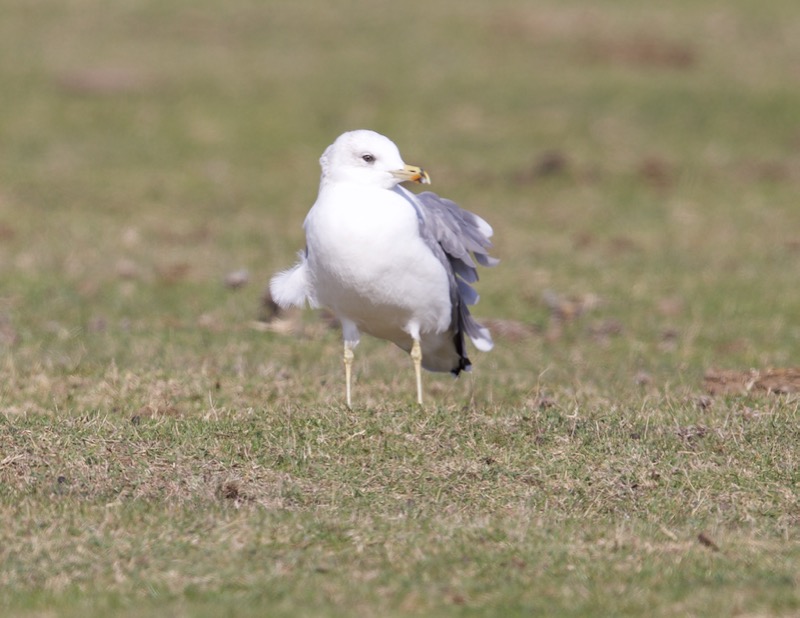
(388, 262)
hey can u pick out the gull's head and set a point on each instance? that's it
(368, 158)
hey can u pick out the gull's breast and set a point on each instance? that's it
(369, 264)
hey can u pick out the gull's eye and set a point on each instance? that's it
(368, 158)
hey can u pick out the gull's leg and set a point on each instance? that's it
(416, 356)
(351, 338)
(348, 370)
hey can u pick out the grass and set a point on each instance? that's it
(159, 454)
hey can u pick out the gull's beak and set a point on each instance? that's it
(412, 173)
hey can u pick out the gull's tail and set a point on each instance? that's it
(291, 288)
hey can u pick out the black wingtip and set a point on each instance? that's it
(464, 363)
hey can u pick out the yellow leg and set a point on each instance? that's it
(416, 356)
(348, 370)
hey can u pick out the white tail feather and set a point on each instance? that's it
(290, 287)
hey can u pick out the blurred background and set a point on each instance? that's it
(640, 164)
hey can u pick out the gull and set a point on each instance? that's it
(388, 262)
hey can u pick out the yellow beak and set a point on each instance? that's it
(412, 173)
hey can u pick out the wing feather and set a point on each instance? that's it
(457, 236)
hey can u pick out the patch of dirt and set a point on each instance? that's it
(670, 306)
(707, 541)
(643, 50)
(657, 172)
(767, 170)
(173, 272)
(107, 81)
(510, 330)
(600, 330)
(550, 163)
(237, 279)
(184, 236)
(772, 381)
(690, 433)
(155, 411)
(619, 245)
(566, 309)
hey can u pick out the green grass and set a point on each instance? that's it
(159, 454)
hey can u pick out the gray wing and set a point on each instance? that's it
(457, 236)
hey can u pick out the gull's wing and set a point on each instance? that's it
(456, 236)
(460, 232)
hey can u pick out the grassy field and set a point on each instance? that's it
(163, 453)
